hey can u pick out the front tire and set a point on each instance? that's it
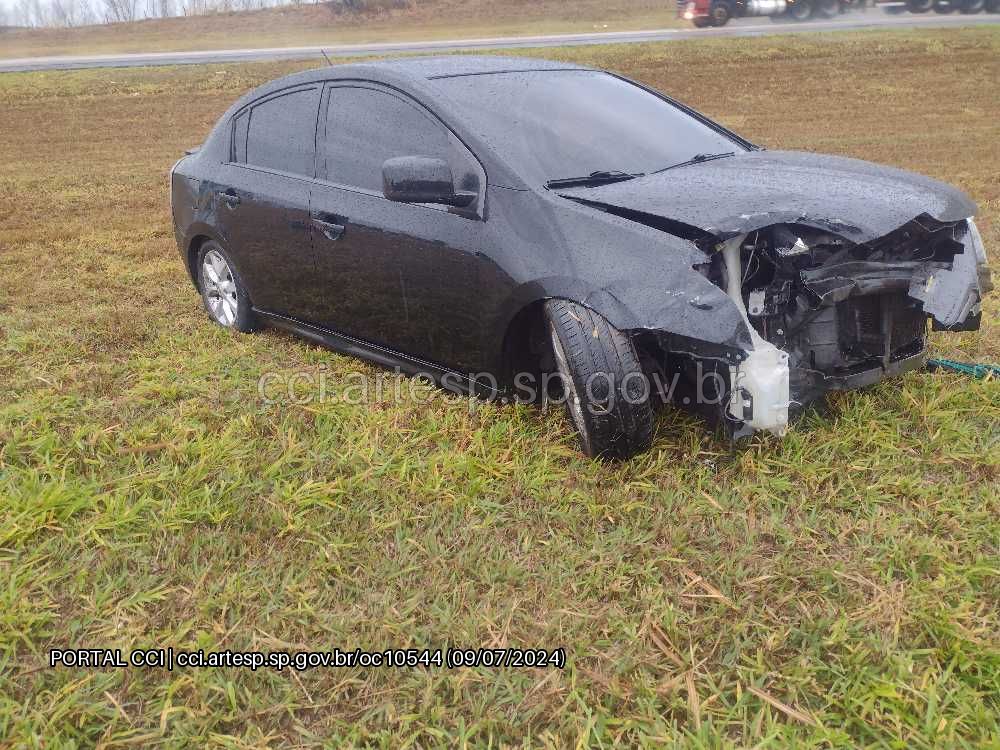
(605, 389)
(223, 295)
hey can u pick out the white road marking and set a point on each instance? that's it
(742, 28)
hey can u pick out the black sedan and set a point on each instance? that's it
(539, 230)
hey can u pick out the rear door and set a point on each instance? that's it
(263, 201)
(405, 276)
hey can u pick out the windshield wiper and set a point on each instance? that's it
(601, 177)
(696, 159)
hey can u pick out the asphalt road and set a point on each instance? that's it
(871, 19)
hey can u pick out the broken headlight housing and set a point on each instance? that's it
(982, 264)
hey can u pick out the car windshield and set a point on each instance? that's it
(564, 126)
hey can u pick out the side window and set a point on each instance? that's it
(364, 127)
(281, 133)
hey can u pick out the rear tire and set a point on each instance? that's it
(800, 10)
(606, 391)
(919, 6)
(222, 293)
(720, 13)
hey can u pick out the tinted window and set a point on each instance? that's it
(282, 133)
(365, 127)
(555, 124)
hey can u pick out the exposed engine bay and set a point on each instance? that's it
(832, 267)
(826, 313)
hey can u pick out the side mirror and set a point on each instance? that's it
(421, 179)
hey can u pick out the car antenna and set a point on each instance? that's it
(323, 51)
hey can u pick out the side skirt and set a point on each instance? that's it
(445, 378)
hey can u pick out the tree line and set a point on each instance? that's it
(69, 13)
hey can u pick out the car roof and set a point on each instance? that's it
(419, 69)
(413, 74)
(443, 66)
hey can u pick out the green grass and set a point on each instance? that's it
(837, 588)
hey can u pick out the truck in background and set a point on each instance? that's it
(704, 13)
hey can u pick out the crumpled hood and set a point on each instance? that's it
(726, 197)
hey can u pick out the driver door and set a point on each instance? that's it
(404, 276)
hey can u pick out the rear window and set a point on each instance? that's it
(280, 133)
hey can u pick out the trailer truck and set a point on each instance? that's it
(704, 13)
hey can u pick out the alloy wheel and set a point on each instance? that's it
(221, 295)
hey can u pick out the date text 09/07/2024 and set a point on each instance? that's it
(405, 658)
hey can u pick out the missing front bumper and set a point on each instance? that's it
(807, 385)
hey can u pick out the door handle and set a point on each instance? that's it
(331, 230)
(232, 200)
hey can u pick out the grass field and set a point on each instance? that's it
(318, 24)
(837, 588)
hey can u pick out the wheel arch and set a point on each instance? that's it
(194, 247)
(698, 311)
(524, 316)
(520, 347)
(525, 341)
(198, 235)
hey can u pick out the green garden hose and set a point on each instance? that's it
(977, 371)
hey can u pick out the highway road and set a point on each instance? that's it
(871, 19)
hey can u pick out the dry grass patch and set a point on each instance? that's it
(331, 24)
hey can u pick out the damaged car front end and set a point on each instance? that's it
(834, 266)
(828, 314)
